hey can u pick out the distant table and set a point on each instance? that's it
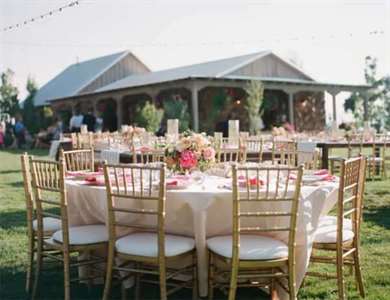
(326, 146)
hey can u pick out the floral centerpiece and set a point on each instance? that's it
(191, 151)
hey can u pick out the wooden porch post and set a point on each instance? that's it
(334, 112)
(119, 112)
(291, 118)
(195, 107)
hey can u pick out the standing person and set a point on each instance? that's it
(76, 121)
(89, 120)
(20, 132)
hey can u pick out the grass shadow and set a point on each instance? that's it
(35, 152)
(51, 288)
(9, 171)
(378, 215)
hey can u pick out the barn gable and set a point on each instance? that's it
(270, 66)
(89, 75)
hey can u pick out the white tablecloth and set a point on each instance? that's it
(205, 210)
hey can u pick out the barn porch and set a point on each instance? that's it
(300, 102)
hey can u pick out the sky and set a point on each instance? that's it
(329, 39)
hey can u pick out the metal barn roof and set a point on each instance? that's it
(75, 77)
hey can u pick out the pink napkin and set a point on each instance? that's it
(172, 183)
(144, 149)
(321, 172)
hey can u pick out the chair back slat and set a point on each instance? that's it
(79, 160)
(28, 192)
(253, 144)
(284, 152)
(350, 198)
(136, 198)
(256, 207)
(48, 179)
(355, 145)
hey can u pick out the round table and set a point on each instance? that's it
(205, 210)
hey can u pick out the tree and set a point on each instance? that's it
(255, 92)
(9, 103)
(377, 108)
(150, 117)
(31, 114)
(177, 109)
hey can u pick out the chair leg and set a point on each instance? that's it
(211, 277)
(37, 268)
(358, 273)
(340, 275)
(194, 277)
(291, 282)
(30, 254)
(66, 274)
(233, 282)
(163, 280)
(123, 291)
(137, 284)
(110, 265)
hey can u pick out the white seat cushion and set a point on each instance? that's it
(252, 247)
(145, 244)
(327, 230)
(84, 235)
(332, 220)
(49, 224)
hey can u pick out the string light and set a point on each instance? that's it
(225, 43)
(42, 16)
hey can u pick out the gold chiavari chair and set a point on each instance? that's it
(376, 159)
(79, 160)
(253, 145)
(311, 162)
(341, 234)
(354, 149)
(146, 155)
(246, 258)
(136, 200)
(85, 140)
(75, 141)
(385, 154)
(52, 201)
(228, 150)
(284, 153)
(355, 145)
(50, 225)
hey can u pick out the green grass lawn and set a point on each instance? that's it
(375, 248)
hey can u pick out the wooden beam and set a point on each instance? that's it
(195, 107)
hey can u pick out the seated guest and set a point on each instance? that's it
(76, 121)
(89, 120)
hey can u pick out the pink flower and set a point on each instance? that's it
(188, 159)
(209, 153)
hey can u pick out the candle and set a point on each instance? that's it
(173, 128)
(234, 130)
(83, 129)
(124, 128)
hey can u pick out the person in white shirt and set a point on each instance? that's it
(76, 121)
